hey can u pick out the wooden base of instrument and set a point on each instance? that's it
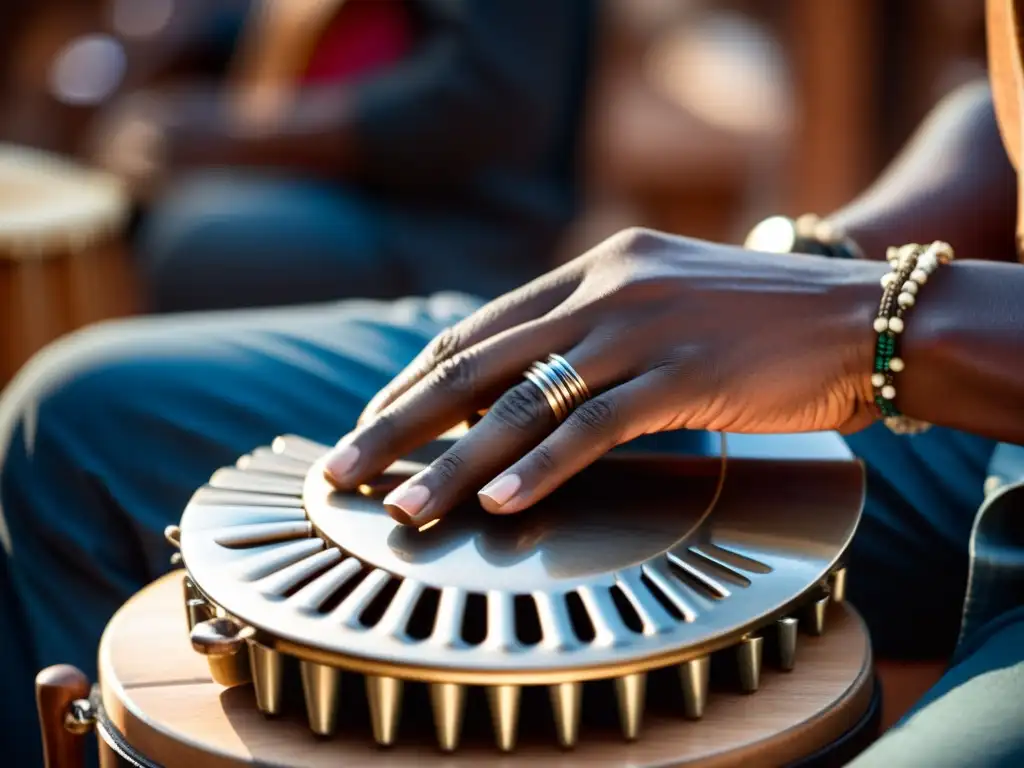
(158, 694)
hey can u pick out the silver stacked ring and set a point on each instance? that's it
(563, 388)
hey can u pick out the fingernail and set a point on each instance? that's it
(501, 490)
(342, 460)
(410, 499)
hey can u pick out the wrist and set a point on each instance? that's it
(914, 267)
(873, 230)
(852, 308)
(851, 301)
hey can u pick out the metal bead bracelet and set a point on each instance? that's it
(911, 264)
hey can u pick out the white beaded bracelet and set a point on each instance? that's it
(911, 266)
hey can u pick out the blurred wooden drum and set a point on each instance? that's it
(63, 262)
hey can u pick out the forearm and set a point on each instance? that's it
(487, 88)
(195, 32)
(312, 136)
(952, 182)
(963, 348)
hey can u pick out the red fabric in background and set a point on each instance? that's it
(364, 36)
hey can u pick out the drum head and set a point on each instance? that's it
(49, 205)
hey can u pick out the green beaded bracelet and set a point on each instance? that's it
(911, 266)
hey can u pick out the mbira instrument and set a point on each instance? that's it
(653, 611)
(62, 258)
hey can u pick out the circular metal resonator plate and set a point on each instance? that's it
(639, 564)
(622, 570)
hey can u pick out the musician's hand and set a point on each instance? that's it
(147, 135)
(668, 333)
(127, 140)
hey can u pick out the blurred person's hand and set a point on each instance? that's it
(128, 140)
(147, 135)
(668, 333)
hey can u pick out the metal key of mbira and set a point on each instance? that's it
(645, 609)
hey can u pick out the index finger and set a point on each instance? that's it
(526, 303)
(448, 395)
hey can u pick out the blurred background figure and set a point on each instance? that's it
(307, 151)
(275, 153)
(706, 115)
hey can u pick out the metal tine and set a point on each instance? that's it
(317, 592)
(209, 496)
(706, 555)
(401, 608)
(218, 516)
(265, 460)
(706, 580)
(609, 627)
(255, 534)
(349, 610)
(501, 622)
(654, 617)
(279, 583)
(232, 479)
(669, 588)
(556, 627)
(273, 557)
(448, 624)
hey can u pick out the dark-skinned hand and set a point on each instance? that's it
(668, 333)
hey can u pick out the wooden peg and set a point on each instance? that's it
(56, 688)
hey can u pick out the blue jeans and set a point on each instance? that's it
(232, 239)
(236, 239)
(106, 434)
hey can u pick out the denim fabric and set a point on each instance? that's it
(996, 580)
(235, 239)
(972, 716)
(105, 435)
